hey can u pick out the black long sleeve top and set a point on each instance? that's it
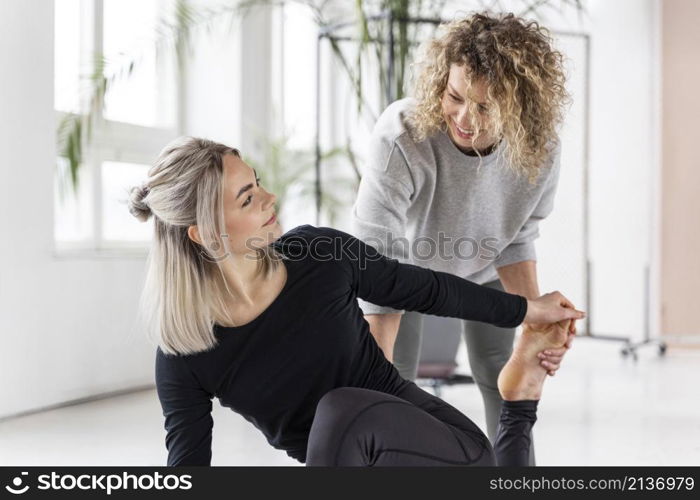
(313, 338)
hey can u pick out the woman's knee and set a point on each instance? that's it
(340, 406)
(339, 411)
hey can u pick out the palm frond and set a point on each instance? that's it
(171, 35)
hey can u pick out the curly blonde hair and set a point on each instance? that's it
(524, 76)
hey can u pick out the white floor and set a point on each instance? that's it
(600, 409)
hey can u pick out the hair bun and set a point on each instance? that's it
(137, 205)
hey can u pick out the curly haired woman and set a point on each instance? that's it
(469, 164)
(270, 325)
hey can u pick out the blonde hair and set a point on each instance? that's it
(185, 287)
(523, 74)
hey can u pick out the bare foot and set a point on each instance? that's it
(523, 376)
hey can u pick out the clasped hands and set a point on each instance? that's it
(553, 310)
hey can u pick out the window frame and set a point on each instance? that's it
(112, 141)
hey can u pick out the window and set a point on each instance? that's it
(140, 116)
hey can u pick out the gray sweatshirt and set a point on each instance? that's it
(429, 204)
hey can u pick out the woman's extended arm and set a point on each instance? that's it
(386, 281)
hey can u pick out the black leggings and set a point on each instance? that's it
(362, 427)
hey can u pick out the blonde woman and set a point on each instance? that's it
(459, 176)
(270, 325)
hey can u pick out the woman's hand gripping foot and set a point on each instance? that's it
(522, 377)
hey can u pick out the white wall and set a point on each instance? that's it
(66, 324)
(622, 159)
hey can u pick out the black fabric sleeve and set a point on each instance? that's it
(387, 282)
(187, 411)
